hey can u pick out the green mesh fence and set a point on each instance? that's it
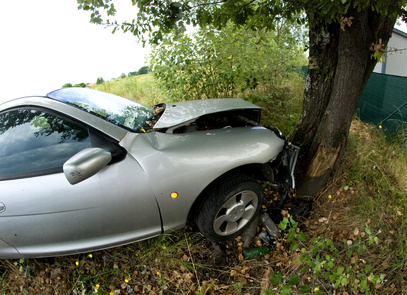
(384, 101)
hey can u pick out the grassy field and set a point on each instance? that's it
(142, 88)
(354, 242)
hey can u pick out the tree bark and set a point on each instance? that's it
(333, 91)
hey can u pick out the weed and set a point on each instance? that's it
(323, 266)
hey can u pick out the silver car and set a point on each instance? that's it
(83, 170)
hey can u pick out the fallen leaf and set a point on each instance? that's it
(265, 281)
(323, 219)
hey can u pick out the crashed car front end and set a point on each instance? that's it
(195, 145)
(210, 114)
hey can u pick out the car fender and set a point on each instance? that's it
(185, 164)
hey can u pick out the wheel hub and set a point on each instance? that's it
(235, 213)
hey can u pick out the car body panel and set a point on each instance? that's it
(100, 212)
(179, 113)
(187, 163)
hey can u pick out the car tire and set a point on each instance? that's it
(230, 208)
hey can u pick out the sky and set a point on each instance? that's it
(45, 44)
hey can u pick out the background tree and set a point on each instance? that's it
(343, 36)
(143, 70)
(100, 80)
(83, 85)
(66, 85)
(211, 63)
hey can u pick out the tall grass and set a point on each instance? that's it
(142, 88)
(376, 168)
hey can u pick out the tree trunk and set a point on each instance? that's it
(333, 91)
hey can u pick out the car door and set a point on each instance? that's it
(45, 215)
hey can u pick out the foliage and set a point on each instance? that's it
(83, 85)
(100, 80)
(158, 18)
(143, 89)
(76, 85)
(323, 266)
(377, 166)
(143, 70)
(132, 74)
(122, 76)
(211, 63)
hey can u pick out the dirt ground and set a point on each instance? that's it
(202, 267)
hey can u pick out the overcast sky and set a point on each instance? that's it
(47, 43)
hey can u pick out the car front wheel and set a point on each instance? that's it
(230, 208)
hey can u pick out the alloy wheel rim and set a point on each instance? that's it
(235, 213)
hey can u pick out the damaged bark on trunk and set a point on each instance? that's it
(333, 90)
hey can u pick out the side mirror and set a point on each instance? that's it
(85, 164)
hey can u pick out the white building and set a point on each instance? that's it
(396, 58)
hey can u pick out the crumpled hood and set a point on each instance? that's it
(179, 113)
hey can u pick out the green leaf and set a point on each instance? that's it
(293, 246)
(367, 268)
(339, 270)
(268, 292)
(304, 289)
(291, 235)
(276, 279)
(283, 224)
(294, 279)
(367, 230)
(363, 285)
(286, 290)
(294, 224)
(301, 236)
(344, 281)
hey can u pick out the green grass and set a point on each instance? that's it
(376, 169)
(142, 88)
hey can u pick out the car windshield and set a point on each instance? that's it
(112, 108)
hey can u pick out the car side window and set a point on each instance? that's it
(35, 142)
